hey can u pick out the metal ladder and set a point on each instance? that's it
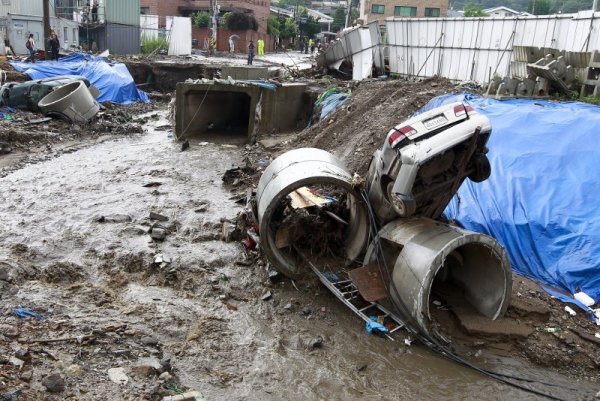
(346, 291)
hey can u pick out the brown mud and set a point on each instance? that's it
(191, 312)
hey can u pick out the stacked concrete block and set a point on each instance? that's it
(591, 84)
(536, 71)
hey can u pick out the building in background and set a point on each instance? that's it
(504, 12)
(379, 10)
(185, 8)
(116, 29)
(19, 18)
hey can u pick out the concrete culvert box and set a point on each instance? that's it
(219, 116)
(73, 101)
(303, 169)
(425, 256)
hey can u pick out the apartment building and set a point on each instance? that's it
(379, 10)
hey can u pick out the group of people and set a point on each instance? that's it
(53, 46)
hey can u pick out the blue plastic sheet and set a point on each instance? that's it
(333, 102)
(542, 201)
(114, 81)
(372, 326)
(28, 312)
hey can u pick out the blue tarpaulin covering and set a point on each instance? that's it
(542, 201)
(114, 81)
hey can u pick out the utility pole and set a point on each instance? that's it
(348, 14)
(595, 6)
(46, 27)
(214, 25)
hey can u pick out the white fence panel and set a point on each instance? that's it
(479, 48)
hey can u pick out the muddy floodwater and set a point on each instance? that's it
(73, 238)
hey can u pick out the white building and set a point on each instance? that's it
(500, 12)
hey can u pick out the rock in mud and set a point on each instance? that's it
(54, 383)
(165, 377)
(148, 340)
(73, 371)
(158, 216)
(266, 296)
(112, 218)
(158, 234)
(4, 273)
(11, 395)
(117, 375)
(9, 330)
(143, 370)
(135, 230)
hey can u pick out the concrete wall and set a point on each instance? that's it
(479, 48)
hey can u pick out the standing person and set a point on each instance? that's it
(95, 11)
(311, 44)
(261, 47)
(30, 45)
(231, 44)
(250, 52)
(54, 45)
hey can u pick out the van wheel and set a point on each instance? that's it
(481, 169)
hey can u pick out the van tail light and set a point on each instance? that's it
(462, 110)
(400, 134)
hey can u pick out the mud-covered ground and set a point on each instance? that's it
(124, 316)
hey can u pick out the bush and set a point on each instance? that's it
(237, 21)
(153, 45)
(201, 19)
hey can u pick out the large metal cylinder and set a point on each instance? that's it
(73, 100)
(419, 250)
(305, 167)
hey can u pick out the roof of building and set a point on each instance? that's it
(505, 9)
(319, 16)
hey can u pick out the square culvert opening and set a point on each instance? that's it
(217, 116)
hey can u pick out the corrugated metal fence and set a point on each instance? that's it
(479, 48)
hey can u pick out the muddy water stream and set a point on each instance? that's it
(221, 337)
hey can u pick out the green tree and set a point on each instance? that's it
(273, 25)
(339, 19)
(311, 27)
(201, 19)
(354, 14)
(288, 28)
(473, 10)
(539, 7)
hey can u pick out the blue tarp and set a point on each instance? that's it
(542, 201)
(114, 81)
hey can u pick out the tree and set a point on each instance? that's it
(474, 10)
(273, 26)
(311, 27)
(539, 7)
(201, 19)
(339, 19)
(238, 21)
(288, 28)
